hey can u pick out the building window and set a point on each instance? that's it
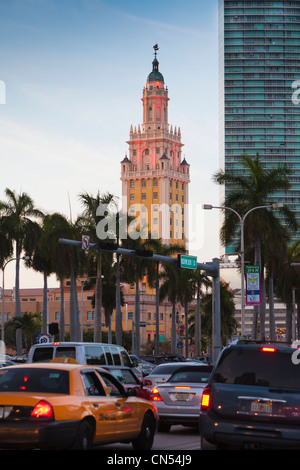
(132, 184)
(144, 183)
(132, 197)
(143, 196)
(155, 195)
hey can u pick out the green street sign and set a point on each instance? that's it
(187, 262)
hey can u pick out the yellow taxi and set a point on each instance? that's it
(70, 406)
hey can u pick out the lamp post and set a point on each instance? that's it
(2, 316)
(242, 221)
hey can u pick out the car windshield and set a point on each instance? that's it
(34, 380)
(190, 376)
(255, 367)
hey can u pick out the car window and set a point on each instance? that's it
(92, 384)
(34, 380)
(164, 369)
(255, 367)
(94, 355)
(124, 376)
(114, 389)
(190, 376)
(116, 356)
(65, 351)
(42, 354)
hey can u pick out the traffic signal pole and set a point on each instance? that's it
(212, 269)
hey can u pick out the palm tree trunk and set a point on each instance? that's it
(157, 311)
(98, 305)
(62, 311)
(118, 321)
(186, 315)
(137, 315)
(289, 310)
(262, 316)
(74, 310)
(198, 324)
(271, 308)
(17, 301)
(173, 329)
(45, 304)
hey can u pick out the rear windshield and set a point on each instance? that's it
(34, 380)
(255, 367)
(190, 376)
(163, 369)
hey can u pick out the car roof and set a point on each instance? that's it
(253, 344)
(52, 365)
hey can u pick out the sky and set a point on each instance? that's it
(73, 73)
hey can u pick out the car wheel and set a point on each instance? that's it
(146, 436)
(84, 438)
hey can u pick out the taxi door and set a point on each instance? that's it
(128, 420)
(103, 407)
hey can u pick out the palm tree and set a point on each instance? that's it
(176, 287)
(20, 217)
(229, 324)
(40, 260)
(29, 323)
(199, 280)
(253, 188)
(90, 219)
(67, 262)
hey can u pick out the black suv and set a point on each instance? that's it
(252, 399)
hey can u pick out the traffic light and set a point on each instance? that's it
(53, 329)
(144, 253)
(107, 246)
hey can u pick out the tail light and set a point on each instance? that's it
(205, 399)
(267, 349)
(155, 396)
(42, 409)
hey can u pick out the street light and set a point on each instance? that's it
(242, 221)
(2, 316)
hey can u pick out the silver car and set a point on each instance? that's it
(161, 373)
(178, 399)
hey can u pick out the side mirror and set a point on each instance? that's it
(131, 392)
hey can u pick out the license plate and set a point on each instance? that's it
(182, 396)
(261, 407)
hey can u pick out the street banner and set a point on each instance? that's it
(252, 285)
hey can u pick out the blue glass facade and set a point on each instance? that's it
(259, 60)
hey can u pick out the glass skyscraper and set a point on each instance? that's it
(259, 64)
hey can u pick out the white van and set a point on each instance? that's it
(83, 353)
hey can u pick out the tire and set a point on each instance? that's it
(84, 438)
(145, 439)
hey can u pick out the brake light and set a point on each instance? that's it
(268, 349)
(42, 409)
(155, 396)
(205, 399)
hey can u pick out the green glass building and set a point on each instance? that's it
(259, 64)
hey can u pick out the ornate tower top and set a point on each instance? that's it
(155, 75)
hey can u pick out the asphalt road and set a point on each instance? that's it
(178, 438)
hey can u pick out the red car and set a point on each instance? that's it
(128, 379)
